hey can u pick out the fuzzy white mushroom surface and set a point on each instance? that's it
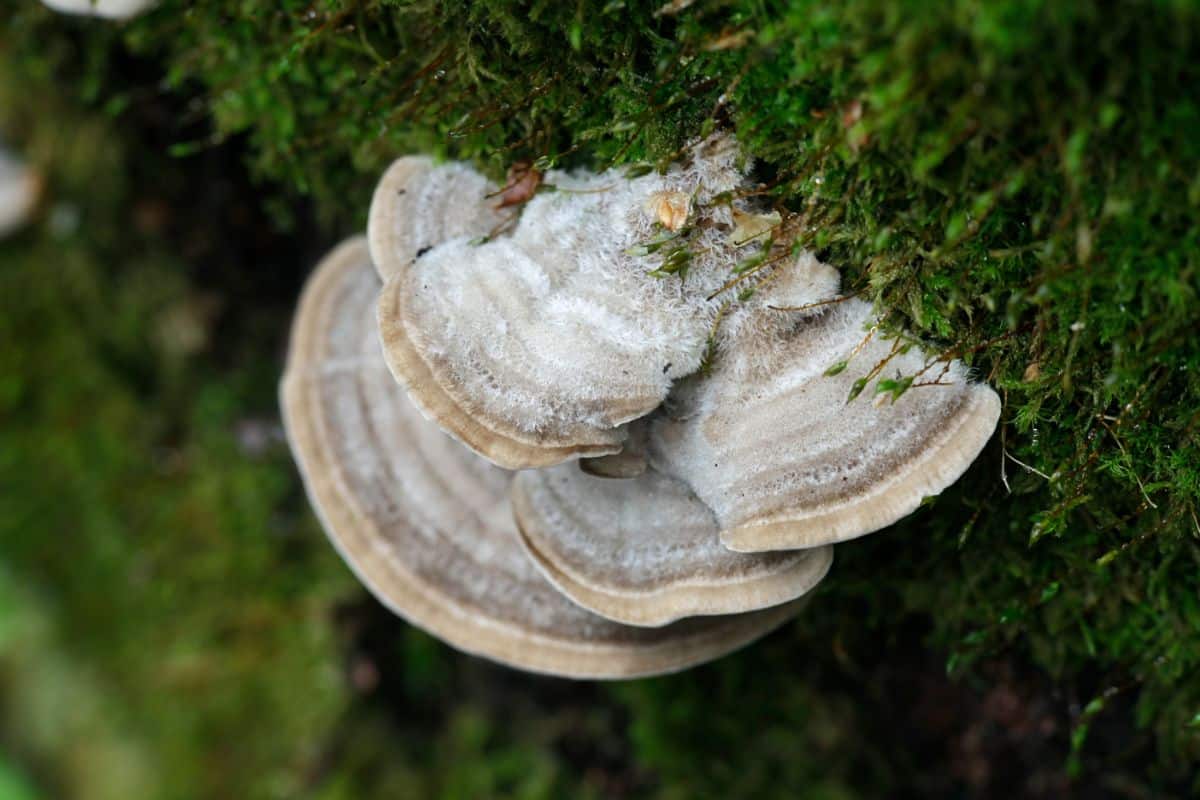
(772, 442)
(419, 204)
(540, 344)
(536, 345)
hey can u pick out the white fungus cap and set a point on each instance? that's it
(772, 443)
(537, 345)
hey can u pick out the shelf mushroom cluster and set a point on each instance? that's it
(558, 437)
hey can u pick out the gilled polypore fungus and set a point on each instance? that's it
(675, 386)
(20, 188)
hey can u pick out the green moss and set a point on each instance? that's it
(1018, 181)
(149, 534)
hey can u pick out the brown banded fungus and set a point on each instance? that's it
(427, 525)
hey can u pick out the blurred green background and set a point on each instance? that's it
(172, 620)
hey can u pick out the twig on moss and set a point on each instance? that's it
(839, 299)
(936, 381)
(1027, 467)
(710, 345)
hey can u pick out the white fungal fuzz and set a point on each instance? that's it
(419, 204)
(798, 287)
(594, 333)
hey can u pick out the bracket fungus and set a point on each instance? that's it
(20, 187)
(535, 347)
(418, 204)
(427, 525)
(539, 346)
(646, 551)
(769, 442)
(677, 388)
(108, 9)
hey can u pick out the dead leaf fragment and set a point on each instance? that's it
(670, 209)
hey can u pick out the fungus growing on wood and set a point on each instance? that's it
(541, 344)
(20, 187)
(592, 320)
(427, 525)
(108, 9)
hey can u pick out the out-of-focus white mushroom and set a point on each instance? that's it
(20, 187)
(427, 525)
(108, 9)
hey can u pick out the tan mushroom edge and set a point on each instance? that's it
(351, 532)
(618, 466)
(500, 443)
(948, 457)
(390, 194)
(677, 600)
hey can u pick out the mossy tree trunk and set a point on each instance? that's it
(1017, 181)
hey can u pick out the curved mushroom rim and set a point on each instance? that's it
(954, 449)
(618, 466)
(677, 600)
(352, 532)
(508, 449)
(381, 236)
